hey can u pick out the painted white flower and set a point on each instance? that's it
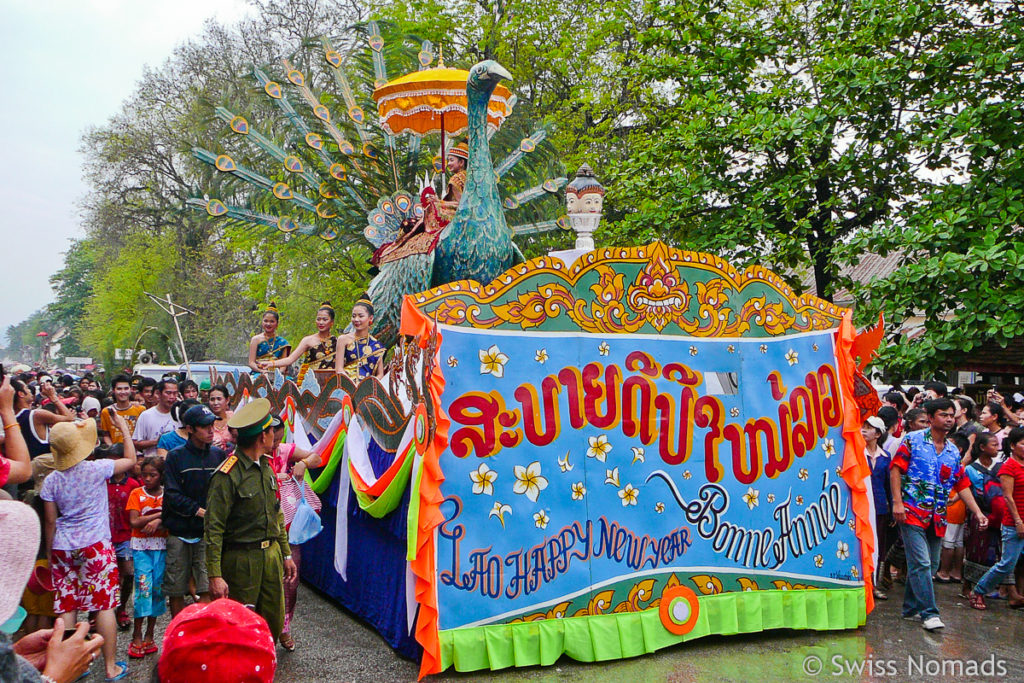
(819, 560)
(814, 347)
(734, 411)
(770, 497)
(603, 349)
(659, 507)
(853, 525)
(854, 572)
(799, 500)
(842, 550)
(492, 361)
(839, 472)
(628, 495)
(638, 455)
(730, 348)
(541, 519)
(563, 463)
(499, 510)
(687, 474)
(763, 348)
(453, 362)
(829, 446)
(792, 357)
(803, 474)
(483, 480)
(578, 490)
(612, 477)
(598, 447)
(529, 481)
(541, 356)
(693, 350)
(750, 497)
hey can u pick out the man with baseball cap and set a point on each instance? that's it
(187, 473)
(248, 557)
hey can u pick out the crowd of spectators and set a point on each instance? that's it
(110, 487)
(948, 489)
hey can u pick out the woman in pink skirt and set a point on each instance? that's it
(290, 464)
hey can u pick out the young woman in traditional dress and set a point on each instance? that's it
(321, 349)
(363, 354)
(268, 346)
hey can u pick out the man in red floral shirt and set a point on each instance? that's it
(925, 470)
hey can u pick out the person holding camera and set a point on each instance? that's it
(36, 423)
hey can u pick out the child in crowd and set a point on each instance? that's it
(873, 430)
(149, 547)
(176, 437)
(77, 528)
(119, 487)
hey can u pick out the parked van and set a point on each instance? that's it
(202, 369)
(155, 371)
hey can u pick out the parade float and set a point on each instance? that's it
(595, 453)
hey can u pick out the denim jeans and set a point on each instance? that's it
(922, 548)
(1012, 546)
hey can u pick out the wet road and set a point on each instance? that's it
(333, 646)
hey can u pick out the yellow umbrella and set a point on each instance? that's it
(434, 100)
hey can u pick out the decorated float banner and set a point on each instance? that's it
(606, 494)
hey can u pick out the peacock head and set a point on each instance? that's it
(485, 75)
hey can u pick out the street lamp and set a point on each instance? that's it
(584, 199)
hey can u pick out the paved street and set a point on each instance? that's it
(332, 646)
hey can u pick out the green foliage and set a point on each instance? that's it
(799, 135)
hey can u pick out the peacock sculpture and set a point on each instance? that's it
(477, 244)
(347, 180)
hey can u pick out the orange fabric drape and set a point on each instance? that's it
(855, 466)
(415, 323)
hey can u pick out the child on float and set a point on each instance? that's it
(149, 549)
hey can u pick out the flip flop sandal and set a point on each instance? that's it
(976, 601)
(287, 642)
(149, 647)
(123, 620)
(136, 651)
(121, 674)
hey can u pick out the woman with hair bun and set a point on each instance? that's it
(363, 355)
(267, 345)
(320, 348)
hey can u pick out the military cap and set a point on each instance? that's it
(251, 419)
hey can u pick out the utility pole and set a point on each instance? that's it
(174, 310)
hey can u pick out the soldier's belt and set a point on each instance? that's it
(255, 545)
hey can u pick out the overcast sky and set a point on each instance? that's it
(69, 64)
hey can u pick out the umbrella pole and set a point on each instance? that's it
(444, 158)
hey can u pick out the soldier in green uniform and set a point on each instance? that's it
(247, 554)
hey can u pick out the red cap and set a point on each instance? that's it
(220, 642)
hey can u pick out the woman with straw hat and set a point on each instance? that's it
(43, 654)
(82, 561)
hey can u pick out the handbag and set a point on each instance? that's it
(306, 523)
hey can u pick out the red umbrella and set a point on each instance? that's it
(42, 334)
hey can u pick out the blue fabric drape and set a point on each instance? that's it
(375, 590)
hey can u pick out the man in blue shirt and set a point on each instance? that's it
(187, 473)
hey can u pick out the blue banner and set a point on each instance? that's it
(586, 472)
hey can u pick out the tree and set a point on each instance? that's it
(959, 237)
